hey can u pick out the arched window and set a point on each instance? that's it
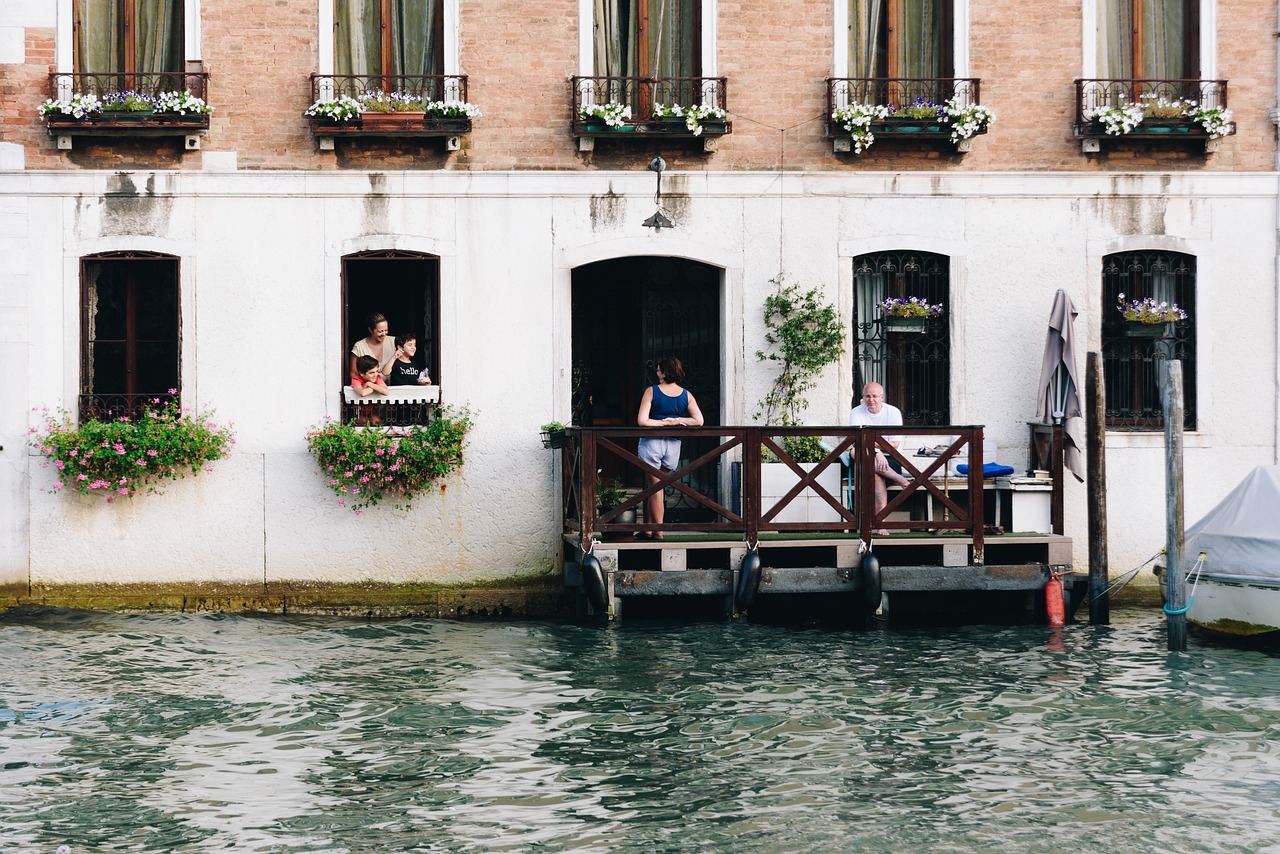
(913, 367)
(129, 332)
(1133, 353)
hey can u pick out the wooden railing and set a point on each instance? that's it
(733, 504)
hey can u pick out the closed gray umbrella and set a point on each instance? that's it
(1059, 400)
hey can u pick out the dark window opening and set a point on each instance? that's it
(1133, 354)
(130, 321)
(404, 287)
(913, 367)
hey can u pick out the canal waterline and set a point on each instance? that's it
(196, 732)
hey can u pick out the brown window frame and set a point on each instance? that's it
(133, 400)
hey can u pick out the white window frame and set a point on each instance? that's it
(1208, 43)
(959, 39)
(325, 23)
(587, 47)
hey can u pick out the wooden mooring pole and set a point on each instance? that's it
(1096, 457)
(1175, 594)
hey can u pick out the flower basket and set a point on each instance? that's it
(906, 325)
(1137, 329)
(392, 121)
(555, 438)
(127, 116)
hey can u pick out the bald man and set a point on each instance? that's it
(874, 412)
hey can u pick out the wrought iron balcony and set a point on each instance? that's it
(913, 106)
(417, 91)
(114, 86)
(1169, 110)
(643, 99)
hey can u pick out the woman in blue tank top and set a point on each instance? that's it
(665, 404)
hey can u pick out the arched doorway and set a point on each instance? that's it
(628, 312)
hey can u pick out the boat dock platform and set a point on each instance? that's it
(752, 554)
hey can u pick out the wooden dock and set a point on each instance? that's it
(749, 554)
(913, 572)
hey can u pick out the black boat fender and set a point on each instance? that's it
(593, 584)
(748, 581)
(869, 575)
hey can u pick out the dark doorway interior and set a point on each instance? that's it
(402, 286)
(627, 313)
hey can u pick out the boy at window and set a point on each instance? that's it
(403, 370)
(367, 379)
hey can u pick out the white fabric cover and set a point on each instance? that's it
(1241, 536)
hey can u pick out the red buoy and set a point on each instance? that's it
(1053, 605)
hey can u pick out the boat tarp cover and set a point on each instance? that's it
(1241, 536)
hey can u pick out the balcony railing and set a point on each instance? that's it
(110, 407)
(642, 95)
(128, 123)
(427, 88)
(1166, 106)
(735, 507)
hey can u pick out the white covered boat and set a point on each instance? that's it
(1238, 589)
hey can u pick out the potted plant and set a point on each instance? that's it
(81, 107)
(1146, 318)
(917, 115)
(128, 105)
(181, 107)
(611, 115)
(609, 494)
(391, 110)
(123, 457)
(364, 465)
(962, 120)
(341, 110)
(554, 435)
(692, 116)
(966, 120)
(1159, 114)
(805, 335)
(452, 109)
(907, 315)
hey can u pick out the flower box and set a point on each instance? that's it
(392, 121)
(1137, 329)
(906, 325)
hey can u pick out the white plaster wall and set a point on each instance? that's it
(261, 321)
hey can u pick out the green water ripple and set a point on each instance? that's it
(182, 733)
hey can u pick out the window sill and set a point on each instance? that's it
(1153, 440)
(394, 125)
(128, 124)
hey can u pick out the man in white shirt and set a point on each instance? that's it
(874, 412)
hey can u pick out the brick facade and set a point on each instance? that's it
(519, 63)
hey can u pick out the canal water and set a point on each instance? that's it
(202, 733)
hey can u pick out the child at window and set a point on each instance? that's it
(403, 370)
(367, 379)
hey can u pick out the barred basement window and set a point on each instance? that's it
(914, 368)
(1132, 353)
